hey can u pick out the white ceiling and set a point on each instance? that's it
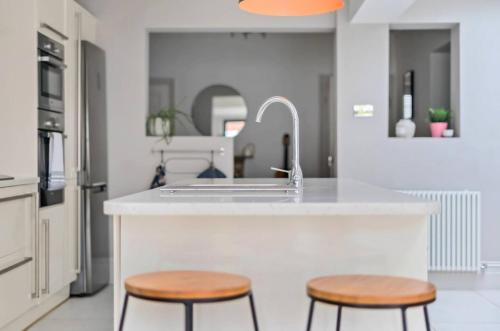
(378, 11)
(361, 11)
(94, 6)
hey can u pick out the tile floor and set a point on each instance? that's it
(81, 314)
(454, 311)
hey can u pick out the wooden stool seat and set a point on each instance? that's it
(363, 290)
(188, 288)
(187, 285)
(373, 292)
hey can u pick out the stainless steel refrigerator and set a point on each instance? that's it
(93, 177)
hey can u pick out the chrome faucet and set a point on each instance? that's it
(295, 174)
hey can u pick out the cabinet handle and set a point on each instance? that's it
(47, 260)
(15, 265)
(57, 32)
(55, 63)
(46, 288)
(35, 252)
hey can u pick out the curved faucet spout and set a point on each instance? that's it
(295, 174)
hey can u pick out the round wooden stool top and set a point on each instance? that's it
(187, 285)
(364, 290)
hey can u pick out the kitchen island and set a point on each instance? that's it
(280, 241)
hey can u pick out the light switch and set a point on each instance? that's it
(363, 110)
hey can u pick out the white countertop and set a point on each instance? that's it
(323, 196)
(18, 181)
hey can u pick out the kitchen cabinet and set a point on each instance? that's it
(39, 248)
(81, 26)
(52, 250)
(52, 18)
(18, 223)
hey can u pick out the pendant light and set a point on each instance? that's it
(290, 7)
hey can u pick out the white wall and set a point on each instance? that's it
(469, 162)
(123, 34)
(258, 68)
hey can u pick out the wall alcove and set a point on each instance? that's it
(424, 67)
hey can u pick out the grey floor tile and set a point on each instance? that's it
(73, 325)
(492, 296)
(463, 307)
(453, 311)
(467, 327)
(93, 313)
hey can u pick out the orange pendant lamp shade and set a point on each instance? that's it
(291, 7)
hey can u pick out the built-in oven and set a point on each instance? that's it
(50, 74)
(51, 121)
(51, 157)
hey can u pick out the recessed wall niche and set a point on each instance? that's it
(423, 74)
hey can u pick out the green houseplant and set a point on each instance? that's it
(163, 123)
(440, 118)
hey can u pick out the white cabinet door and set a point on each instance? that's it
(71, 85)
(18, 88)
(18, 211)
(52, 18)
(15, 289)
(52, 232)
(81, 26)
(71, 197)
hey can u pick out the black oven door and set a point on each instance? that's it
(51, 83)
(50, 168)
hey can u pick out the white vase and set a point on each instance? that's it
(405, 128)
(159, 127)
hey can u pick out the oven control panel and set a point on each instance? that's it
(47, 45)
(50, 121)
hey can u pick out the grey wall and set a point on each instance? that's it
(279, 64)
(416, 50)
(470, 162)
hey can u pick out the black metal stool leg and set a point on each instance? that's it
(339, 318)
(403, 315)
(427, 322)
(124, 310)
(311, 312)
(254, 314)
(189, 316)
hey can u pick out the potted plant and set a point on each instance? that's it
(163, 123)
(439, 118)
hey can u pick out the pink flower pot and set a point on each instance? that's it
(438, 128)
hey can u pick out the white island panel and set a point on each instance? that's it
(279, 254)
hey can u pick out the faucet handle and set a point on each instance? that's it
(282, 170)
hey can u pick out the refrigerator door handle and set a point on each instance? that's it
(100, 186)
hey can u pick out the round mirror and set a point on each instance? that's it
(219, 110)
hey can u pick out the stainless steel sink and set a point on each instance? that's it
(230, 187)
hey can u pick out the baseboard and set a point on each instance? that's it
(39, 311)
(465, 280)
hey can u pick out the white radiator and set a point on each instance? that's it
(455, 233)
